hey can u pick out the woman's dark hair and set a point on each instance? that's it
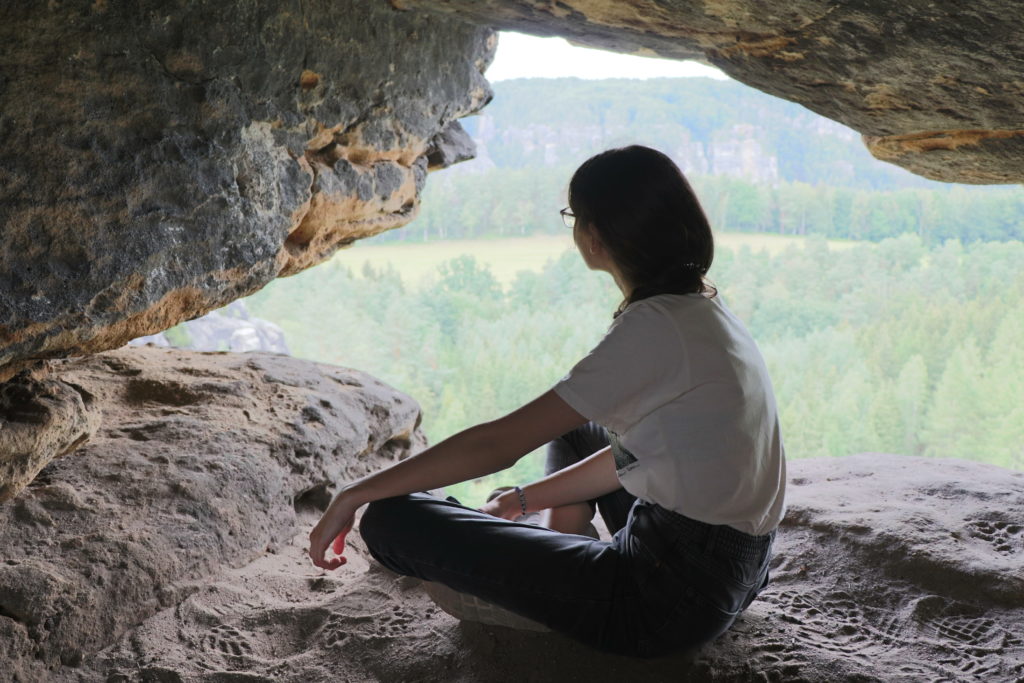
(648, 217)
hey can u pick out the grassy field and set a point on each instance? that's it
(506, 257)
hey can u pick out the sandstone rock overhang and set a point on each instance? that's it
(935, 87)
(161, 159)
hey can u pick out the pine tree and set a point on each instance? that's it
(1004, 393)
(911, 395)
(955, 424)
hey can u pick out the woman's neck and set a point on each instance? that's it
(623, 284)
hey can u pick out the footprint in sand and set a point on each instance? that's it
(1006, 538)
(971, 644)
(833, 623)
(227, 640)
(389, 623)
(394, 622)
(837, 622)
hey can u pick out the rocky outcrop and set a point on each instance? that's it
(204, 462)
(227, 329)
(162, 158)
(935, 87)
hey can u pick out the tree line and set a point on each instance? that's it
(898, 346)
(514, 202)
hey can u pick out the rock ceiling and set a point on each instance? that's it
(160, 159)
(935, 87)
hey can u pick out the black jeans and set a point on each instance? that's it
(664, 582)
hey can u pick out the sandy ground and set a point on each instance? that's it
(282, 619)
(171, 547)
(883, 572)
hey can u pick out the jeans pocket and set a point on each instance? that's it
(744, 575)
(737, 582)
(649, 566)
(660, 591)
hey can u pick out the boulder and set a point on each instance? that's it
(227, 329)
(203, 462)
(162, 158)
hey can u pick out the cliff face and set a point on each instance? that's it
(161, 159)
(735, 151)
(935, 87)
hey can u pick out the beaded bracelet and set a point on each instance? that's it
(522, 499)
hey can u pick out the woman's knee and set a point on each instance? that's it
(411, 534)
(386, 518)
(405, 520)
(574, 446)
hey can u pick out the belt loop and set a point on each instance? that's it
(712, 535)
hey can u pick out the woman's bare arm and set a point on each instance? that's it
(474, 452)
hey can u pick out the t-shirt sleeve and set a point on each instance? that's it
(639, 365)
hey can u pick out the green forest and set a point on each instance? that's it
(897, 346)
(907, 342)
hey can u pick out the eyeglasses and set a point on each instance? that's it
(568, 217)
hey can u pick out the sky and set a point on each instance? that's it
(523, 56)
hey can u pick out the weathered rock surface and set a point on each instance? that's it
(887, 568)
(41, 418)
(160, 159)
(203, 462)
(936, 87)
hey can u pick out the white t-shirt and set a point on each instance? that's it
(683, 391)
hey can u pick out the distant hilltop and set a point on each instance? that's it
(708, 126)
(759, 164)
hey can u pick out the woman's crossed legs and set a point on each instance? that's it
(617, 596)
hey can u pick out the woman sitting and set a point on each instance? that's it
(668, 426)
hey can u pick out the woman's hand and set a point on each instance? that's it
(333, 526)
(585, 480)
(505, 505)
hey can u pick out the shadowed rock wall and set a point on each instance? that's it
(936, 87)
(160, 159)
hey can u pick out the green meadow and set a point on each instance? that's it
(419, 262)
